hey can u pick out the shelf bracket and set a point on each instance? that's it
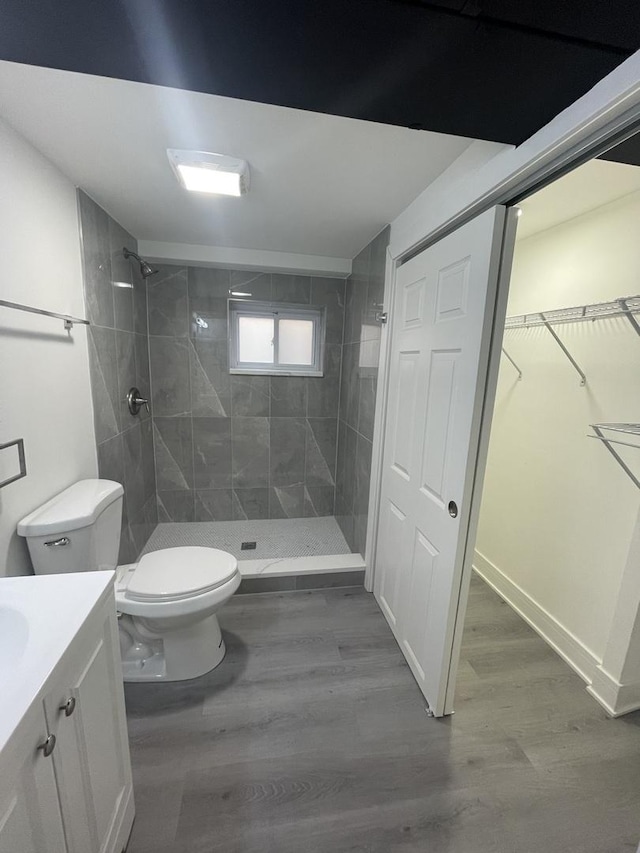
(513, 363)
(547, 324)
(629, 315)
(607, 443)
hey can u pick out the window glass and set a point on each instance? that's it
(255, 339)
(295, 342)
(276, 338)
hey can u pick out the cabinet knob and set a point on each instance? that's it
(48, 745)
(68, 707)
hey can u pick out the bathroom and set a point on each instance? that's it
(286, 458)
(312, 723)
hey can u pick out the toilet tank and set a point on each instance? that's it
(77, 530)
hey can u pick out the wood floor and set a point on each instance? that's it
(312, 737)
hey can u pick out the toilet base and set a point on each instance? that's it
(154, 652)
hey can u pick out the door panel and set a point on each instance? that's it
(441, 327)
(395, 542)
(440, 414)
(405, 402)
(423, 565)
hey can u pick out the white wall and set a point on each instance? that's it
(408, 228)
(558, 513)
(45, 394)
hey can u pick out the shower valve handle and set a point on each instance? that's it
(135, 402)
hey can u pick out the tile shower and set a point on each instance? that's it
(238, 447)
(222, 448)
(116, 304)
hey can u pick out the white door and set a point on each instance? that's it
(442, 317)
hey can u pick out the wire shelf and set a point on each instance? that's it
(621, 307)
(618, 429)
(624, 306)
(629, 429)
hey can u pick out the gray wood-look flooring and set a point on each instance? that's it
(312, 737)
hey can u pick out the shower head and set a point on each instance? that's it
(145, 268)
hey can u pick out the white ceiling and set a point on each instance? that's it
(586, 188)
(320, 185)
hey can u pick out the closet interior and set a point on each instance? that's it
(557, 550)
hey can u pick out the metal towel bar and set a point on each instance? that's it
(68, 320)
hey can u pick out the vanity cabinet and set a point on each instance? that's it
(30, 818)
(76, 797)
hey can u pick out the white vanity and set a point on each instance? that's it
(65, 773)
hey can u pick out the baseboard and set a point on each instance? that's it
(566, 644)
(616, 698)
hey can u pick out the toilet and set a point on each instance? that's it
(166, 602)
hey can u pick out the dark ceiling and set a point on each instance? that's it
(490, 69)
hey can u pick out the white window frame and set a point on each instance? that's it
(278, 311)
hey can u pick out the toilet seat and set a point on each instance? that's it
(174, 574)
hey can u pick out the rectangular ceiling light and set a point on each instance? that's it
(203, 172)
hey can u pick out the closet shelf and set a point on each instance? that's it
(624, 306)
(629, 429)
(618, 429)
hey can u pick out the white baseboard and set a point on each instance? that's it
(615, 698)
(566, 644)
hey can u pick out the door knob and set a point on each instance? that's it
(135, 402)
(48, 745)
(453, 509)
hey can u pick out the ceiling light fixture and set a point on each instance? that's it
(203, 172)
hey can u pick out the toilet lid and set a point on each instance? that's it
(180, 572)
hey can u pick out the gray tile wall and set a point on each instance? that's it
(360, 353)
(119, 359)
(238, 447)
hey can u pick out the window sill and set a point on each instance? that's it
(239, 371)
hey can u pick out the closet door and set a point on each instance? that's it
(442, 318)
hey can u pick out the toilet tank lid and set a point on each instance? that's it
(78, 506)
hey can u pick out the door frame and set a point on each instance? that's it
(605, 116)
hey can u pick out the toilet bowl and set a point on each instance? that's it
(166, 602)
(166, 605)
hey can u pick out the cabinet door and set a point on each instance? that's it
(30, 820)
(92, 763)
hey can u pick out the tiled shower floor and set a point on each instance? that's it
(289, 537)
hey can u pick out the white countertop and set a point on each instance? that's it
(39, 617)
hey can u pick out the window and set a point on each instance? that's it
(275, 338)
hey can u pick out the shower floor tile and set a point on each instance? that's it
(289, 537)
